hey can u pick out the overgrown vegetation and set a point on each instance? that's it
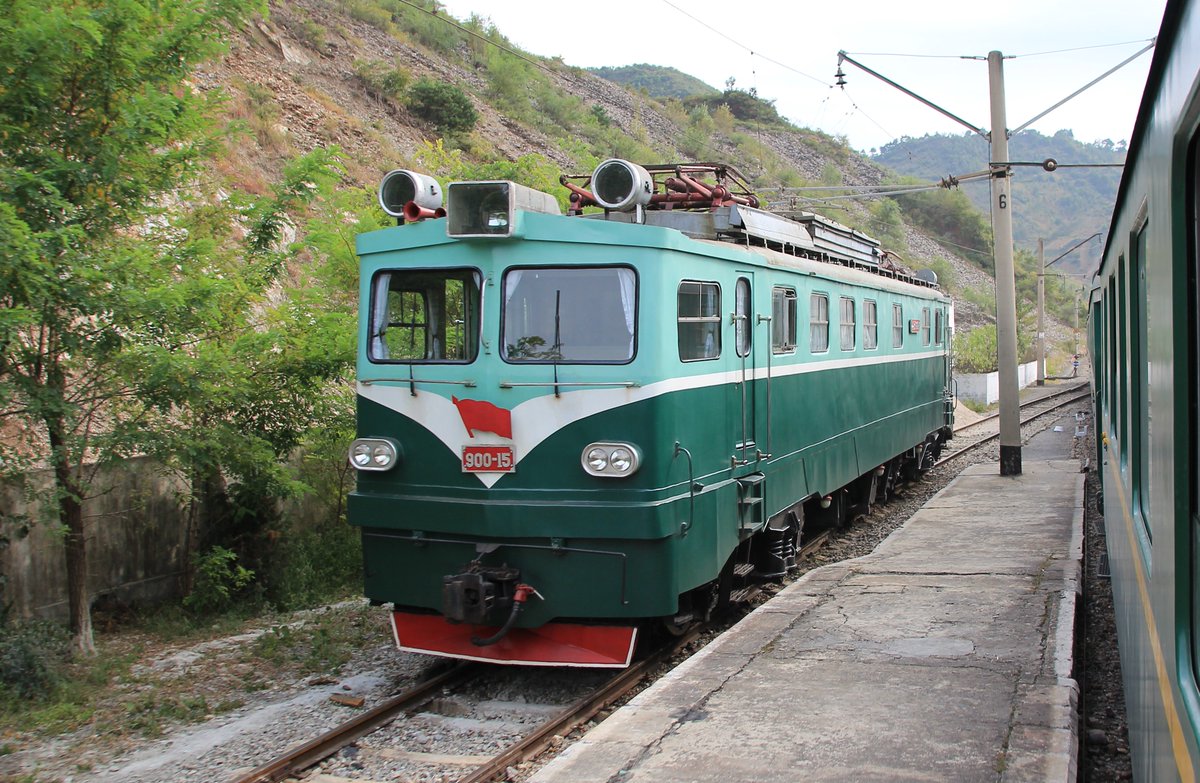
(33, 660)
(656, 80)
(135, 322)
(382, 80)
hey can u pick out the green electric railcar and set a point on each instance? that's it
(573, 425)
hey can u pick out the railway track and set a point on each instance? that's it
(483, 768)
(442, 685)
(1031, 410)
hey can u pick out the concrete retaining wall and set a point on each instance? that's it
(136, 536)
(984, 388)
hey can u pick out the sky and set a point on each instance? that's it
(787, 50)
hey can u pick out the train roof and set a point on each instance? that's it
(1165, 43)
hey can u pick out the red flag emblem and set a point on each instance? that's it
(482, 416)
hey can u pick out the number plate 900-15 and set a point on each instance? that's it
(488, 459)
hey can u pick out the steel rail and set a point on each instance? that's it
(1080, 395)
(304, 756)
(578, 713)
(1033, 401)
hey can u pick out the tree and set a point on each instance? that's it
(230, 388)
(97, 131)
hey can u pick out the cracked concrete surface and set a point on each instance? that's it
(943, 655)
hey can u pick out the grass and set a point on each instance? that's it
(127, 691)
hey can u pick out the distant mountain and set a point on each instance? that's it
(658, 81)
(1061, 207)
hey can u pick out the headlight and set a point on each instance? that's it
(611, 460)
(596, 460)
(374, 453)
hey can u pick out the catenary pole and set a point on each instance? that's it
(1041, 296)
(1006, 289)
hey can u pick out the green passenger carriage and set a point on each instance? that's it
(572, 426)
(1144, 338)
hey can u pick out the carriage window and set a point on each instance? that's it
(897, 326)
(1193, 390)
(937, 327)
(741, 317)
(1114, 395)
(870, 327)
(924, 326)
(1139, 391)
(1123, 373)
(783, 320)
(424, 315)
(846, 323)
(818, 323)
(699, 308)
(569, 314)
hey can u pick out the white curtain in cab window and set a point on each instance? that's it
(574, 282)
(379, 316)
(628, 300)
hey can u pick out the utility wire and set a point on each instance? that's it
(741, 45)
(891, 136)
(1009, 56)
(483, 38)
(1084, 48)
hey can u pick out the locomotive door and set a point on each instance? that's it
(752, 400)
(745, 440)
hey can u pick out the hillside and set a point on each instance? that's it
(656, 80)
(313, 73)
(1061, 207)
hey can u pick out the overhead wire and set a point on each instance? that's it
(1084, 48)
(484, 38)
(741, 45)
(916, 55)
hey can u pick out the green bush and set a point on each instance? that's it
(32, 659)
(381, 80)
(316, 564)
(218, 580)
(445, 105)
(975, 351)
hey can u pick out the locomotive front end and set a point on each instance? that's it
(504, 509)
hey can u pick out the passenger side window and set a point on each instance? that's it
(818, 323)
(846, 323)
(870, 327)
(699, 317)
(783, 320)
(897, 326)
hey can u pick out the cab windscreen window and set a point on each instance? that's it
(424, 315)
(569, 314)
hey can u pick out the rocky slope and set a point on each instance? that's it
(292, 84)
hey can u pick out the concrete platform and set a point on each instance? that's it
(945, 655)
